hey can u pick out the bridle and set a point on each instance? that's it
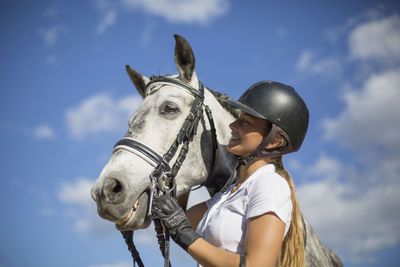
(163, 175)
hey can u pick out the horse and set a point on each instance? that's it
(124, 189)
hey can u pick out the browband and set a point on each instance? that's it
(165, 80)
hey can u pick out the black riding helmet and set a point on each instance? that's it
(282, 107)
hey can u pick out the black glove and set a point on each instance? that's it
(166, 208)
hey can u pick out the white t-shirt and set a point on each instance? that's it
(225, 222)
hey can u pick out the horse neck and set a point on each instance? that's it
(224, 160)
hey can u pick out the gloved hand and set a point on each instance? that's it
(166, 208)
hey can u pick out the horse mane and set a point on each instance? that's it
(221, 97)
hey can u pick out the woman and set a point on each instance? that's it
(256, 221)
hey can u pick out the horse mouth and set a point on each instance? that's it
(130, 214)
(128, 221)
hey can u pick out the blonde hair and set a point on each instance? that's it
(292, 253)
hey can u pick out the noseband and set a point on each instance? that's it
(163, 175)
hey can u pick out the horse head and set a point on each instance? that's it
(122, 191)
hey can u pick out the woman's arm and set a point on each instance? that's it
(264, 238)
(263, 242)
(209, 255)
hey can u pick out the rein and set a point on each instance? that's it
(163, 175)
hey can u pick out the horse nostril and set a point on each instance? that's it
(117, 188)
(113, 190)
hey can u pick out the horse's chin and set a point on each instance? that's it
(136, 217)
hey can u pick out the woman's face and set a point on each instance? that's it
(247, 133)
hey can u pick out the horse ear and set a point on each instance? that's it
(138, 80)
(184, 57)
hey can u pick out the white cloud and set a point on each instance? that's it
(176, 11)
(355, 223)
(368, 123)
(182, 11)
(44, 131)
(109, 19)
(378, 39)
(109, 14)
(77, 192)
(309, 63)
(364, 204)
(100, 113)
(51, 34)
(371, 114)
(304, 60)
(353, 203)
(325, 167)
(82, 209)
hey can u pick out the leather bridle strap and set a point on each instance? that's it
(128, 236)
(140, 149)
(150, 88)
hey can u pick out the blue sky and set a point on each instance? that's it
(65, 100)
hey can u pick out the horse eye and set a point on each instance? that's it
(169, 109)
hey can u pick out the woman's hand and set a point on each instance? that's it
(172, 216)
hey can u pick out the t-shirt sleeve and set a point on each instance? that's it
(269, 193)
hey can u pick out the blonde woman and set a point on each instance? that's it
(255, 219)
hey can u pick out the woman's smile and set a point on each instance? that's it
(247, 132)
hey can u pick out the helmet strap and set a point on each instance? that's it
(260, 151)
(275, 130)
(261, 147)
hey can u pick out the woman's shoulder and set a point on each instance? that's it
(266, 179)
(268, 191)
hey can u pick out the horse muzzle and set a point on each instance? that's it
(116, 204)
